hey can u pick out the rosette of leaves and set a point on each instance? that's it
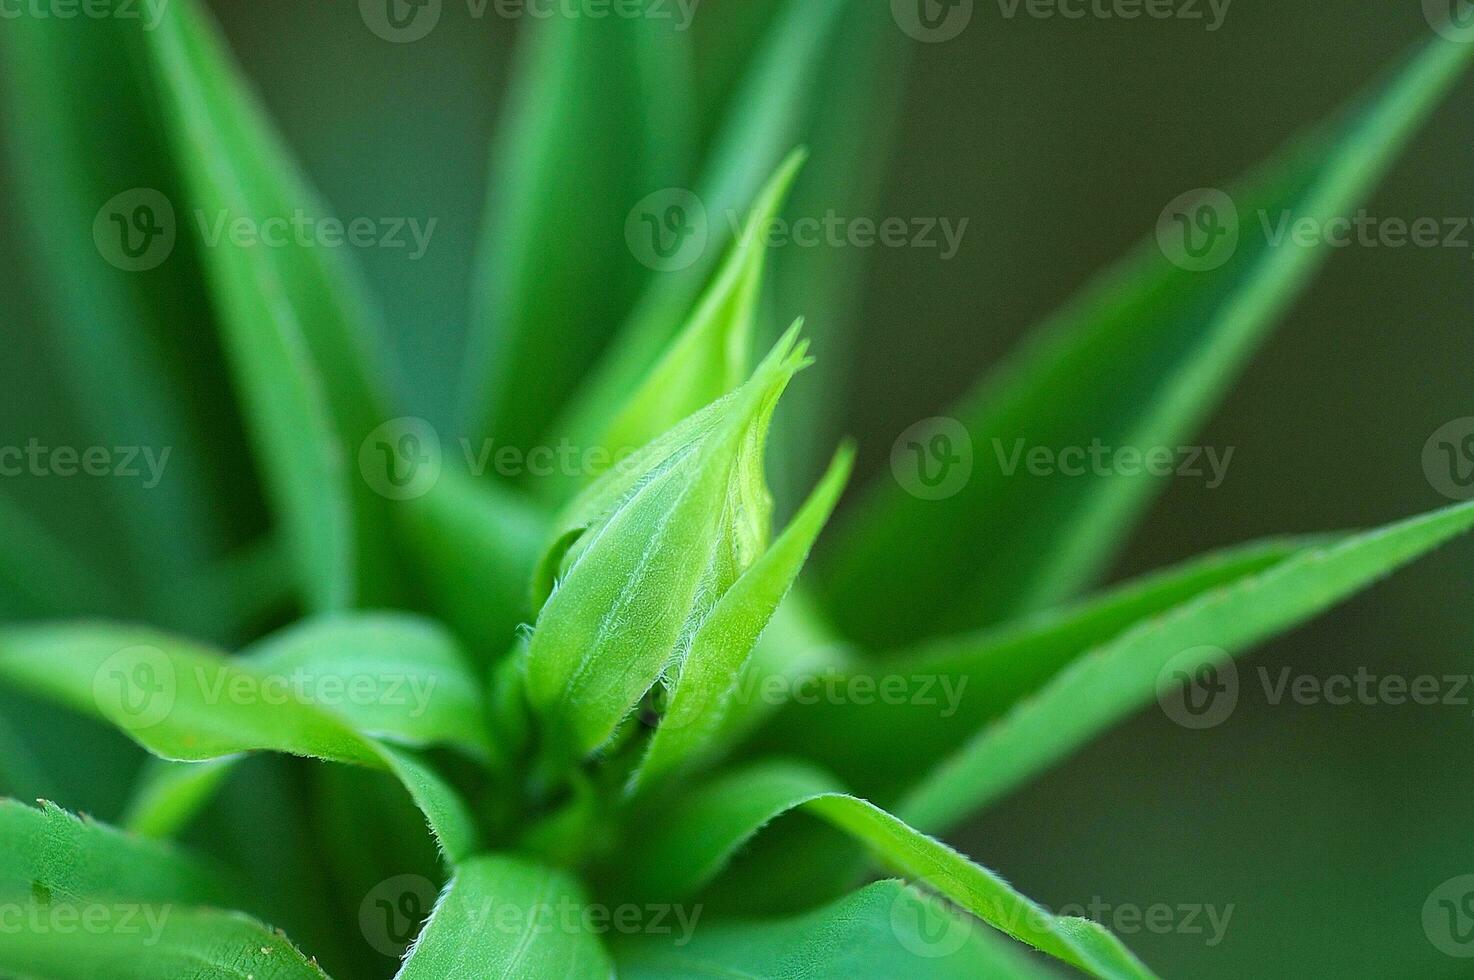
(582, 685)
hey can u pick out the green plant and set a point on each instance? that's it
(591, 780)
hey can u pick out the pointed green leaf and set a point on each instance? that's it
(295, 323)
(595, 123)
(660, 544)
(884, 930)
(188, 703)
(683, 847)
(765, 121)
(1106, 684)
(879, 725)
(503, 917)
(706, 680)
(1138, 362)
(711, 356)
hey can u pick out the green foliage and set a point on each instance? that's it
(588, 680)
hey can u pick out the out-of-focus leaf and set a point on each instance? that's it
(296, 327)
(1137, 361)
(685, 846)
(661, 542)
(507, 918)
(596, 122)
(764, 123)
(706, 681)
(112, 327)
(884, 930)
(40, 577)
(879, 725)
(1106, 684)
(474, 544)
(188, 703)
(169, 795)
(712, 355)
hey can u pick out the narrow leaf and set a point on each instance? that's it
(1106, 684)
(707, 679)
(711, 356)
(595, 124)
(879, 725)
(1137, 362)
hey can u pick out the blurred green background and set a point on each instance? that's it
(1324, 827)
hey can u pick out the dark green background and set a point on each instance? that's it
(1061, 141)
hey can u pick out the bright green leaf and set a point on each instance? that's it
(684, 847)
(503, 917)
